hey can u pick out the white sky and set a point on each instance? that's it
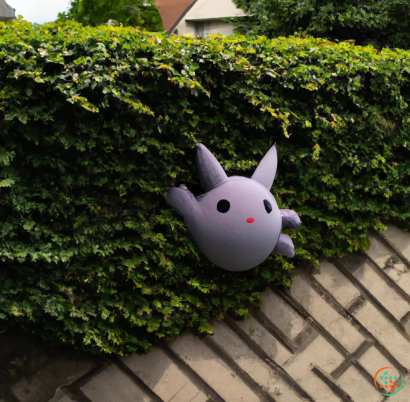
(39, 11)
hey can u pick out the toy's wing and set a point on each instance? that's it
(290, 219)
(183, 201)
(284, 246)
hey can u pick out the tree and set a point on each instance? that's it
(137, 13)
(382, 23)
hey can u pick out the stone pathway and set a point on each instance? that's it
(324, 340)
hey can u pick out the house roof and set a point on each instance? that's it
(6, 12)
(172, 10)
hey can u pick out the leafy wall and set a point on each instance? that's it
(97, 123)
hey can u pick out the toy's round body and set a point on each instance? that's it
(245, 235)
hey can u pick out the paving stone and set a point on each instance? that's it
(60, 396)
(282, 315)
(158, 371)
(212, 369)
(189, 394)
(323, 354)
(378, 252)
(42, 385)
(198, 398)
(372, 361)
(336, 283)
(385, 333)
(399, 238)
(265, 340)
(257, 369)
(379, 288)
(358, 387)
(113, 385)
(389, 263)
(65, 398)
(406, 322)
(335, 324)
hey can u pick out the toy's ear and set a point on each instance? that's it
(182, 200)
(210, 171)
(266, 171)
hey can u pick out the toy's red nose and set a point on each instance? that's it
(250, 220)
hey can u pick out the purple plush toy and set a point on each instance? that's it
(237, 223)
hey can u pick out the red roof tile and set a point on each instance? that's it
(171, 11)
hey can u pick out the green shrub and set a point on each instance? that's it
(136, 13)
(381, 23)
(97, 123)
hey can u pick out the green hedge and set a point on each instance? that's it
(97, 123)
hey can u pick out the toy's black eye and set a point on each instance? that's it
(223, 206)
(268, 206)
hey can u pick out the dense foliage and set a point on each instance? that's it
(136, 13)
(97, 123)
(380, 23)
